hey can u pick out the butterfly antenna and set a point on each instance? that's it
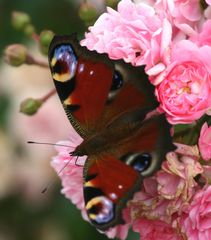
(53, 180)
(46, 143)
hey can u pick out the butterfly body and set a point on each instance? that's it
(107, 139)
(107, 103)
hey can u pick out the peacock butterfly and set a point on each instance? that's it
(107, 103)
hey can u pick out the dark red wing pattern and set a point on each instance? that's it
(93, 82)
(110, 180)
(82, 79)
(108, 183)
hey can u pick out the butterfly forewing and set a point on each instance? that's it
(82, 79)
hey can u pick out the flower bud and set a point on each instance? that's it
(112, 3)
(20, 20)
(29, 30)
(45, 40)
(15, 54)
(88, 13)
(30, 106)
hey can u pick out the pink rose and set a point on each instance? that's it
(165, 194)
(181, 11)
(191, 151)
(72, 174)
(183, 88)
(134, 33)
(155, 229)
(148, 203)
(196, 222)
(121, 231)
(176, 179)
(185, 15)
(204, 37)
(206, 174)
(205, 142)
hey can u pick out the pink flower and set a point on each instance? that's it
(196, 222)
(165, 194)
(208, 2)
(183, 88)
(207, 174)
(72, 174)
(205, 142)
(134, 33)
(207, 12)
(186, 150)
(147, 203)
(121, 231)
(70, 170)
(176, 179)
(204, 36)
(155, 229)
(183, 14)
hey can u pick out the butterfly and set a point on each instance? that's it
(107, 102)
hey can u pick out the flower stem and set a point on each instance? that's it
(36, 37)
(31, 60)
(48, 95)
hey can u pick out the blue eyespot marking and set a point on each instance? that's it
(139, 161)
(100, 209)
(63, 63)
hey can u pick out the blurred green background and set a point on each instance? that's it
(25, 213)
(59, 16)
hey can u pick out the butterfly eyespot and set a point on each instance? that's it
(63, 63)
(139, 161)
(100, 209)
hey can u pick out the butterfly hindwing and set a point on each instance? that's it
(111, 180)
(108, 182)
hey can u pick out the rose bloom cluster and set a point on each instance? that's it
(172, 39)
